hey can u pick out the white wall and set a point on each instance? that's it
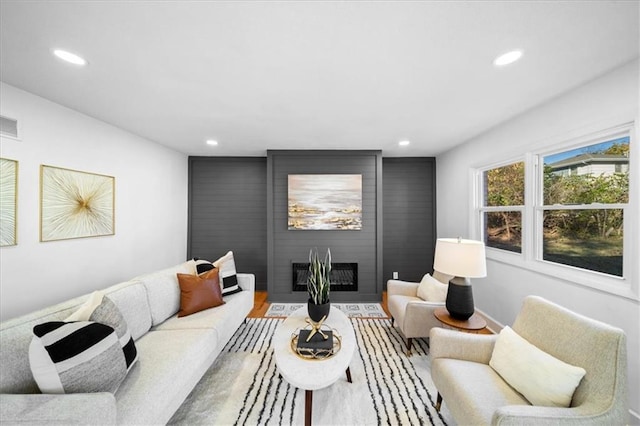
(610, 100)
(150, 205)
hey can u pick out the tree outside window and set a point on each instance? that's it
(502, 207)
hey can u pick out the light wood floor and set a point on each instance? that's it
(260, 304)
(260, 307)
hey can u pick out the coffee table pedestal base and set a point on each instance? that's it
(308, 401)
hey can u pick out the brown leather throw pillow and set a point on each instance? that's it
(198, 293)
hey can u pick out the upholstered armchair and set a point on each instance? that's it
(465, 371)
(412, 315)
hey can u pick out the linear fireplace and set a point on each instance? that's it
(344, 276)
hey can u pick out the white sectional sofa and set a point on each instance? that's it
(173, 354)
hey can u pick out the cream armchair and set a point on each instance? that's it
(411, 315)
(476, 394)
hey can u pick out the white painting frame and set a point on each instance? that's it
(324, 202)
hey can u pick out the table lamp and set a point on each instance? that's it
(463, 259)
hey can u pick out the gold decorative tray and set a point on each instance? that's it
(316, 355)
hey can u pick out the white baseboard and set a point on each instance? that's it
(634, 417)
(492, 324)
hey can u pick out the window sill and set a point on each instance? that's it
(620, 287)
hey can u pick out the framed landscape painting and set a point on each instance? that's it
(8, 202)
(75, 204)
(325, 202)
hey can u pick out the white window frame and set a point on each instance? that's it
(482, 209)
(533, 210)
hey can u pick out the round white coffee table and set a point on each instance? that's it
(307, 374)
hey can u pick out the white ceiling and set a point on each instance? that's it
(310, 75)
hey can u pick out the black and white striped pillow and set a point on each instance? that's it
(99, 308)
(76, 357)
(226, 264)
(108, 313)
(227, 267)
(203, 266)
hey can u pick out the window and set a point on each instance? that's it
(502, 206)
(583, 213)
(565, 212)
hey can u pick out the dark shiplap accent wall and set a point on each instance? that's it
(409, 212)
(228, 211)
(364, 246)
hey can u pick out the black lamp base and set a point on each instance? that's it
(460, 301)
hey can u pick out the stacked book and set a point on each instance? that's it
(320, 345)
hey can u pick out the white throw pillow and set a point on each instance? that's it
(86, 309)
(443, 278)
(541, 378)
(432, 290)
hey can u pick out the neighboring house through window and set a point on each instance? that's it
(564, 211)
(583, 212)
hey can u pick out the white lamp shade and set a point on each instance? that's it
(461, 258)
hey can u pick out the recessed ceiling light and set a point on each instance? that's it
(212, 142)
(507, 58)
(72, 58)
(404, 143)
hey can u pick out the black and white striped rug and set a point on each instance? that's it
(243, 386)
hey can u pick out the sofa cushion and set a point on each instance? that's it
(224, 319)
(199, 292)
(432, 290)
(171, 364)
(227, 266)
(15, 337)
(163, 291)
(96, 408)
(76, 357)
(474, 402)
(131, 299)
(543, 379)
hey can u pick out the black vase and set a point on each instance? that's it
(460, 301)
(317, 312)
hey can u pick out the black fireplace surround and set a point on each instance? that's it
(344, 276)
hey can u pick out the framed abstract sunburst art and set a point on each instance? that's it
(75, 204)
(8, 202)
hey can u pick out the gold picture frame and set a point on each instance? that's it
(75, 204)
(8, 202)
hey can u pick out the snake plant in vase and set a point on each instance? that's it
(318, 285)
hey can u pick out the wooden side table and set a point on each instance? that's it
(474, 324)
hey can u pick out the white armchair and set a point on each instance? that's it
(410, 314)
(476, 394)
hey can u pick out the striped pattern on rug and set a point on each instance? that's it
(352, 310)
(243, 386)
